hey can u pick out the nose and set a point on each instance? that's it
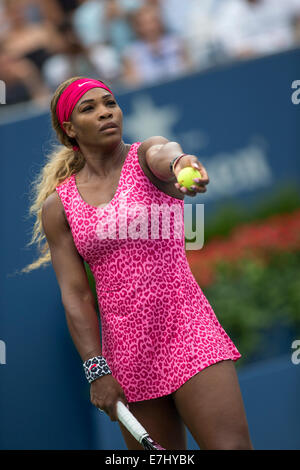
(104, 114)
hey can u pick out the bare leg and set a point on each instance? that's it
(160, 418)
(211, 406)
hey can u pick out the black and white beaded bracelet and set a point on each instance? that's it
(96, 367)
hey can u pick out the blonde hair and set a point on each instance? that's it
(62, 162)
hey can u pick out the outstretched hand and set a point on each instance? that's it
(200, 183)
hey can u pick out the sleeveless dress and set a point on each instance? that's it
(157, 327)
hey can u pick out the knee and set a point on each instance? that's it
(238, 443)
(230, 440)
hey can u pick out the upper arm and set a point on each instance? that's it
(149, 147)
(67, 262)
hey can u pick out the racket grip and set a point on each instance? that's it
(130, 422)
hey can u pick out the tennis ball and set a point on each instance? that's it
(186, 175)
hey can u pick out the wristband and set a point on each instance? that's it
(95, 367)
(175, 160)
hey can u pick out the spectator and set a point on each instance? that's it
(78, 60)
(156, 54)
(173, 14)
(117, 13)
(3, 22)
(22, 81)
(89, 22)
(35, 42)
(253, 27)
(67, 7)
(201, 35)
(54, 11)
(105, 22)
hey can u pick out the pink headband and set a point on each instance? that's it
(71, 95)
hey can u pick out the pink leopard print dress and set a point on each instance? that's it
(158, 329)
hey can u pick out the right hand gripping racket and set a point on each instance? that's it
(135, 428)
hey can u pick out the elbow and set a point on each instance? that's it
(72, 301)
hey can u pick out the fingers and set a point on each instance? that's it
(194, 189)
(110, 407)
(204, 176)
(200, 183)
(112, 411)
(105, 393)
(113, 414)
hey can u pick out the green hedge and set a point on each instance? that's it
(231, 214)
(249, 299)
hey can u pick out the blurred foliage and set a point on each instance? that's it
(250, 298)
(286, 199)
(260, 239)
(251, 279)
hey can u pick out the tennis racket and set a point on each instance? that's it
(135, 428)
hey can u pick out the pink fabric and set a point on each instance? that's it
(158, 329)
(72, 94)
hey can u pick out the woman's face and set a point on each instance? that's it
(95, 109)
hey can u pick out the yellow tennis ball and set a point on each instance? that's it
(186, 175)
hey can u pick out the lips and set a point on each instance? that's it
(108, 125)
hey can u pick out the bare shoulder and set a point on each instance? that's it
(166, 187)
(53, 214)
(66, 260)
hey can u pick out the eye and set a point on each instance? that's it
(110, 102)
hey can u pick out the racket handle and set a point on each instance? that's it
(130, 422)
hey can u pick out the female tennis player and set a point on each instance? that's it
(164, 353)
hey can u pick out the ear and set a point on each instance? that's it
(68, 126)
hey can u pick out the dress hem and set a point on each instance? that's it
(232, 358)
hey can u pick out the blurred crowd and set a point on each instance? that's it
(133, 43)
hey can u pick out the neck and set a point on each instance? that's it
(99, 164)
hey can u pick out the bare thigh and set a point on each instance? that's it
(161, 420)
(212, 408)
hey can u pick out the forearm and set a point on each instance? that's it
(83, 326)
(159, 157)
